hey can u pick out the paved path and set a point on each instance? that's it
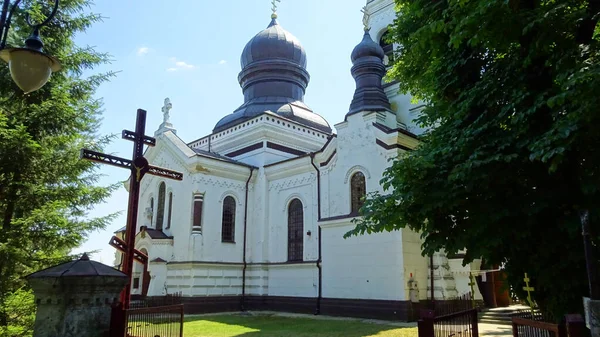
(496, 330)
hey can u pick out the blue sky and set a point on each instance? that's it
(189, 51)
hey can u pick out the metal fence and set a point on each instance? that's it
(163, 321)
(461, 323)
(149, 302)
(526, 323)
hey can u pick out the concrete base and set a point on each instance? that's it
(592, 315)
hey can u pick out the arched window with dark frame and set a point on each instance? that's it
(160, 211)
(388, 48)
(295, 231)
(170, 210)
(358, 191)
(228, 220)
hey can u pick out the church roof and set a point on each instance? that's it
(217, 156)
(155, 234)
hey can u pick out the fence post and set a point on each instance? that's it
(181, 326)
(575, 325)
(474, 323)
(515, 329)
(425, 324)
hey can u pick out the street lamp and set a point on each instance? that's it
(30, 67)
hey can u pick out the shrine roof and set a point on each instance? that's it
(156, 234)
(217, 156)
(78, 268)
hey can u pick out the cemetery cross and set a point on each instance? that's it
(139, 166)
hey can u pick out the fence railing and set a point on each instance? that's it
(446, 307)
(528, 324)
(149, 302)
(164, 321)
(457, 324)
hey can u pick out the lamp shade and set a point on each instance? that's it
(30, 69)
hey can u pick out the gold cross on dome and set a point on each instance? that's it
(274, 8)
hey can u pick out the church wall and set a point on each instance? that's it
(365, 267)
(281, 193)
(201, 279)
(158, 276)
(414, 263)
(297, 280)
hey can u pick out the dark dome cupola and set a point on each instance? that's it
(274, 78)
(368, 71)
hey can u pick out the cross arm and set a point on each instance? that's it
(105, 158)
(130, 135)
(121, 246)
(166, 173)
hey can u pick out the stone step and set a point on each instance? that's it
(495, 321)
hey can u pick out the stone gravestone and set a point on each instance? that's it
(75, 298)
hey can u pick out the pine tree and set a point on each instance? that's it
(46, 191)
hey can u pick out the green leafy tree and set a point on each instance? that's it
(512, 155)
(46, 191)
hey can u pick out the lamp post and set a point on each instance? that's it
(30, 67)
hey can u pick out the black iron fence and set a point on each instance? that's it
(163, 321)
(150, 302)
(461, 323)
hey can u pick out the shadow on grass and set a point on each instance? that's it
(263, 325)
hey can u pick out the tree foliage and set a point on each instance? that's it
(46, 191)
(511, 157)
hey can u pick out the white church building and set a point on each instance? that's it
(258, 221)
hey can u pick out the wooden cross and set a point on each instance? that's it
(139, 167)
(472, 285)
(529, 290)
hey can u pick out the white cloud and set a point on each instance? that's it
(143, 51)
(180, 65)
(222, 62)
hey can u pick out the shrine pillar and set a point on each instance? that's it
(75, 298)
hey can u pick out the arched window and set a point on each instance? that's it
(358, 190)
(170, 210)
(295, 231)
(228, 222)
(160, 212)
(388, 48)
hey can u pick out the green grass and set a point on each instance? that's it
(277, 326)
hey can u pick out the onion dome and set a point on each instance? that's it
(368, 71)
(274, 78)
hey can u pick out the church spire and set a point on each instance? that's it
(368, 71)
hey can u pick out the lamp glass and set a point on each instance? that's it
(29, 69)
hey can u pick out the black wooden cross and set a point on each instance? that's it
(139, 167)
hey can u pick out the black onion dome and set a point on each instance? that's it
(367, 48)
(274, 42)
(274, 79)
(368, 71)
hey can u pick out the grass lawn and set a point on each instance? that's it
(277, 326)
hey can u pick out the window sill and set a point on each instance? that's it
(230, 242)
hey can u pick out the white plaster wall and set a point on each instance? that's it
(281, 193)
(158, 278)
(357, 150)
(414, 262)
(365, 267)
(205, 279)
(299, 280)
(461, 276)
